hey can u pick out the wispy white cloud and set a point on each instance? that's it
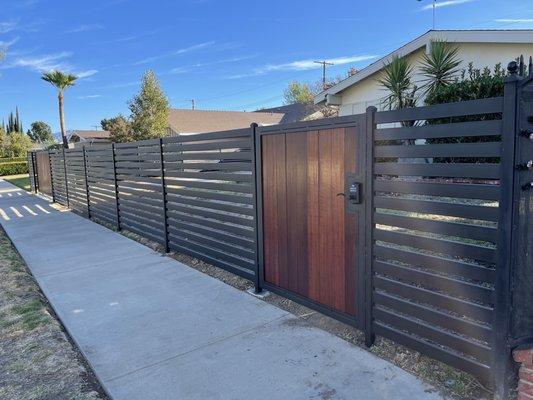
(178, 70)
(8, 26)
(86, 74)
(86, 28)
(120, 85)
(130, 38)
(4, 44)
(303, 65)
(89, 96)
(446, 3)
(515, 20)
(175, 53)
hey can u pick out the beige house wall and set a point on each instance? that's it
(368, 92)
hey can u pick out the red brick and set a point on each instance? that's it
(522, 396)
(523, 356)
(525, 388)
(526, 374)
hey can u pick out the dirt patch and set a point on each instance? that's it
(37, 358)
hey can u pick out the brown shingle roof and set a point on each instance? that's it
(89, 134)
(199, 121)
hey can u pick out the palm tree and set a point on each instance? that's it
(439, 67)
(61, 81)
(397, 80)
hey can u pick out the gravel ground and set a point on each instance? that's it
(37, 359)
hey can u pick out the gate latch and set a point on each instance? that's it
(354, 193)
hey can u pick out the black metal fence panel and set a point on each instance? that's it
(57, 169)
(434, 228)
(209, 191)
(76, 182)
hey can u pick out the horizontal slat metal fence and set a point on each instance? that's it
(32, 169)
(75, 175)
(436, 174)
(209, 189)
(57, 169)
(101, 184)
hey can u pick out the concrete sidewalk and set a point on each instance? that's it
(153, 328)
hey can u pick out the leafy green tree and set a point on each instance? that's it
(396, 78)
(119, 127)
(298, 92)
(61, 81)
(149, 109)
(40, 132)
(19, 144)
(440, 66)
(4, 143)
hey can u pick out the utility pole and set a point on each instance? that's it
(324, 64)
(434, 7)
(193, 103)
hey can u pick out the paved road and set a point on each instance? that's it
(153, 328)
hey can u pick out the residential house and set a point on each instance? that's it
(483, 48)
(77, 138)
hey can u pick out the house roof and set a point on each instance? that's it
(293, 112)
(89, 134)
(458, 36)
(199, 121)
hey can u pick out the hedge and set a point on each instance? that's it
(11, 160)
(13, 168)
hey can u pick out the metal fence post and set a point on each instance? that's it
(117, 208)
(502, 363)
(51, 177)
(164, 191)
(369, 224)
(258, 226)
(66, 179)
(86, 184)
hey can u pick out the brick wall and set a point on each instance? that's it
(525, 382)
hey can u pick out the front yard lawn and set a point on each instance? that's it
(22, 181)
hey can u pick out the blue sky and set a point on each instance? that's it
(226, 54)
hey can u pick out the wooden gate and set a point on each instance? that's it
(43, 172)
(312, 215)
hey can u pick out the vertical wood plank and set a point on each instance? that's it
(296, 164)
(313, 223)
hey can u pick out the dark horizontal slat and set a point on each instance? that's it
(125, 179)
(461, 190)
(428, 280)
(212, 204)
(436, 263)
(487, 149)
(472, 107)
(138, 143)
(453, 170)
(216, 186)
(434, 316)
(170, 148)
(142, 231)
(214, 253)
(434, 334)
(444, 302)
(466, 211)
(176, 225)
(455, 359)
(233, 155)
(225, 246)
(210, 195)
(236, 230)
(223, 217)
(447, 247)
(210, 166)
(222, 176)
(475, 232)
(156, 201)
(135, 216)
(237, 133)
(244, 272)
(460, 129)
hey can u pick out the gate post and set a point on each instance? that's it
(502, 367)
(369, 224)
(258, 204)
(164, 191)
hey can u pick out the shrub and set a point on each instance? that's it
(12, 160)
(13, 168)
